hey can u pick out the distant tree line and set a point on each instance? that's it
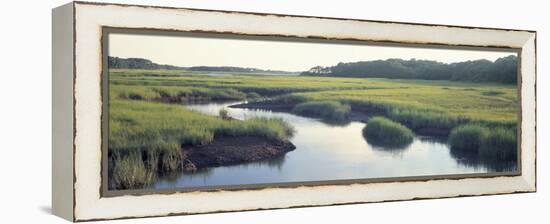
(233, 69)
(138, 63)
(503, 70)
(222, 69)
(141, 63)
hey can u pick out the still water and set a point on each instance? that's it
(326, 152)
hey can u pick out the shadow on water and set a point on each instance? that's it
(204, 173)
(391, 148)
(433, 139)
(394, 150)
(473, 159)
(465, 158)
(334, 122)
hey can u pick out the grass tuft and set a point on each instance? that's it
(329, 110)
(129, 172)
(468, 137)
(385, 132)
(500, 145)
(224, 114)
(490, 143)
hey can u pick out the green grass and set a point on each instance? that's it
(420, 106)
(250, 84)
(448, 99)
(385, 132)
(417, 104)
(468, 137)
(329, 110)
(157, 131)
(141, 125)
(176, 94)
(498, 144)
(130, 172)
(435, 103)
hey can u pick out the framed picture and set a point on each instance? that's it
(165, 111)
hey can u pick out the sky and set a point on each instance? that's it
(189, 51)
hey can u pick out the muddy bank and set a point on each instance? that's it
(225, 151)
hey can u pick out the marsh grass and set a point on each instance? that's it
(171, 160)
(385, 132)
(427, 107)
(176, 94)
(468, 137)
(418, 119)
(150, 125)
(500, 145)
(417, 104)
(130, 172)
(151, 160)
(490, 143)
(328, 110)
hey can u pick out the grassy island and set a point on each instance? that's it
(385, 132)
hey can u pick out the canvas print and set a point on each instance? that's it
(192, 111)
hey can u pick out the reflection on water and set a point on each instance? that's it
(331, 152)
(472, 159)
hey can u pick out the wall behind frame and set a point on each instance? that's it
(62, 111)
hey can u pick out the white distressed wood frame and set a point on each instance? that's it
(83, 138)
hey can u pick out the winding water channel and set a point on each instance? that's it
(326, 152)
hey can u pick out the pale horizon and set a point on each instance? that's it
(186, 51)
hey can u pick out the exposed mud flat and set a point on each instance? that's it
(225, 151)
